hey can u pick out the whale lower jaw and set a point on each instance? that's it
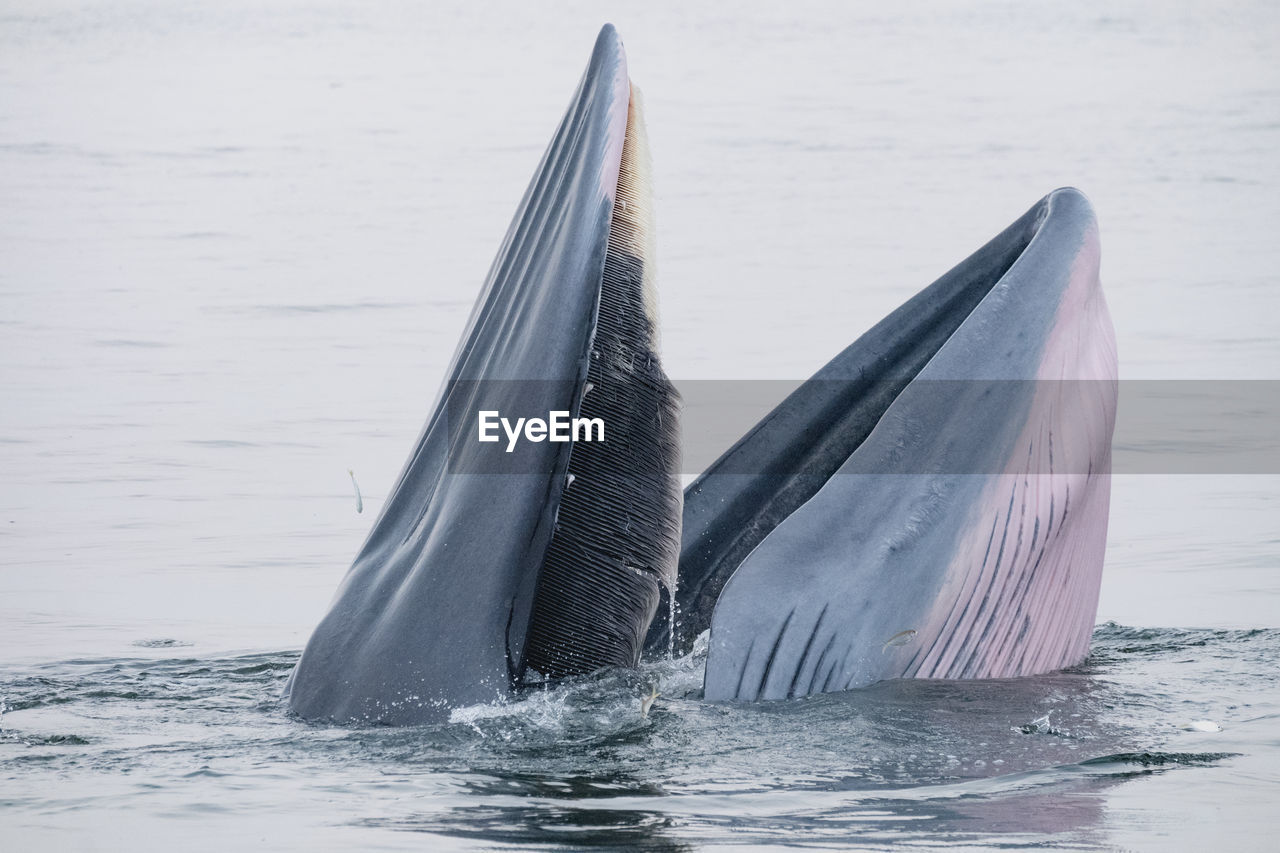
(963, 534)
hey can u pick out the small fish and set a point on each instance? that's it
(359, 500)
(899, 639)
(646, 701)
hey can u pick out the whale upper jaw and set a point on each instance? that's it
(484, 567)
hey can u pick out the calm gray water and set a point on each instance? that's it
(237, 250)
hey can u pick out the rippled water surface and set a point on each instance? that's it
(166, 742)
(239, 242)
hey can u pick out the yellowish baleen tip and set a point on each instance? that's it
(632, 228)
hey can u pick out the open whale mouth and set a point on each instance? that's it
(488, 570)
(931, 504)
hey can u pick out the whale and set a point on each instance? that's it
(931, 504)
(495, 566)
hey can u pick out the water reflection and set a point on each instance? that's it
(528, 826)
(1022, 762)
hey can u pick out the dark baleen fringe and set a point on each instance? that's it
(617, 537)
